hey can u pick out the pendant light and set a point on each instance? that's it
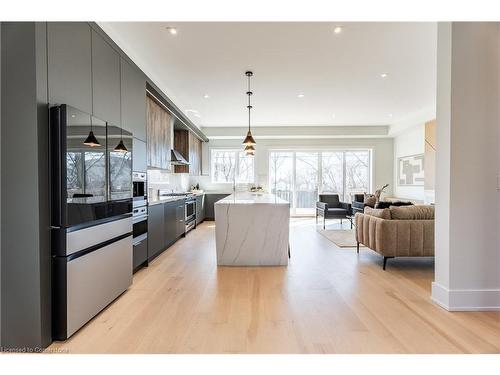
(120, 147)
(250, 150)
(249, 142)
(91, 140)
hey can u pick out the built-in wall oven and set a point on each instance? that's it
(140, 235)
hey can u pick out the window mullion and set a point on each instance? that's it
(344, 176)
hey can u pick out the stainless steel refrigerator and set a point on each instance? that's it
(91, 216)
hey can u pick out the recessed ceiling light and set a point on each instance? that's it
(73, 116)
(337, 29)
(196, 115)
(384, 75)
(300, 96)
(172, 30)
(390, 115)
(206, 96)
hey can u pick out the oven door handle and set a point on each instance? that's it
(138, 219)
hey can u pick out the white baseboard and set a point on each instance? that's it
(466, 299)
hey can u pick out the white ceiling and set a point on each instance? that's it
(339, 74)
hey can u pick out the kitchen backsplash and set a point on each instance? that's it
(163, 180)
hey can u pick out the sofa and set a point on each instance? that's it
(397, 231)
(330, 206)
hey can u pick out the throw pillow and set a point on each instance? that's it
(381, 213)
(417, 212)
(387, 204)
(370, 200)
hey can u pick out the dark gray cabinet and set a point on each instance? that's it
(200, 208)
(170, 222)
(180, 214)
(69, 55)
(139, 156)
(105, 80)
(210, 200)
(165, 226)
(140, 254)
(156, 236)
(133, 97)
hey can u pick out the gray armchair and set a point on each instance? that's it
(330, 206)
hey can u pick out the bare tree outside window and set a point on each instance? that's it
(294, 176)
(230, 164)
(332, 172)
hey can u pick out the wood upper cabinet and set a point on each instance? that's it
(70, 64)
(133, 100)
(194, 155)
(190, 147)
(181, 144)
(105, 80)
(159, 135)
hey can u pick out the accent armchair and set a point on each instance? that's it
(358, 203)
(330, 206)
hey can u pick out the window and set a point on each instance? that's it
(298, 176)
(226, 164)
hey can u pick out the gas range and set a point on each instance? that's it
(166, 193)
(190, 207)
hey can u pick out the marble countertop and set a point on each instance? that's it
(252, 198)
(157, 200)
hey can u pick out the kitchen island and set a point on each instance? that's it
(251, 229)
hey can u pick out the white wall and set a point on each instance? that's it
(382, 158)
(163, 180)
(410, 141)
(467, 272)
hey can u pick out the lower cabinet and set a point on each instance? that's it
(140, 253)
(170, 222)
(180, 214)
(165, 226)
(156, 230)
(200, 208)
(210, 200)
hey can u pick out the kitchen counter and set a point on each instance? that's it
(252, 198)
(157, 200)
(252, 229)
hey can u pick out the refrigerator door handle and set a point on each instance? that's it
(57, 174)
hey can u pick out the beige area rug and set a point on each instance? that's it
(341, 238)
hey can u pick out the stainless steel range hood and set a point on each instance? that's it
(177, 159)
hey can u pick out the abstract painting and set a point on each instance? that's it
(411, 170)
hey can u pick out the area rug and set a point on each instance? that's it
(341, 238)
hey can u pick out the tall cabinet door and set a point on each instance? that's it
(159, 135)
(105, 80)
(69, 64)
(194, 155)
(139, 163)
(133, 97)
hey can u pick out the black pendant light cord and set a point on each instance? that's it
(249, 93)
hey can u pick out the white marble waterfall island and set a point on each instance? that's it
(251, 229)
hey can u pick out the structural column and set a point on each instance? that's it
(467, 275)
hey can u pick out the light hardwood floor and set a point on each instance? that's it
(328, 300)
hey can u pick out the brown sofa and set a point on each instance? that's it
(406, 231)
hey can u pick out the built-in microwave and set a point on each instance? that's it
(139, 186)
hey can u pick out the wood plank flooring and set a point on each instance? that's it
(328, 300)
